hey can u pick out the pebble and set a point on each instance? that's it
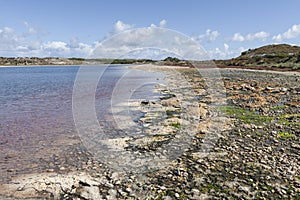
(62, 168)
(195, 191)
(129, 190)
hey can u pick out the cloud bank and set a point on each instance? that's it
(149, 40)
(143, 41)
(292, 32)
(209, 36)
(262, 36)
(29, 44)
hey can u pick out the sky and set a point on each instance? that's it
(88, 28)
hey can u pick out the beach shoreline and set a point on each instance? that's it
(254, 155)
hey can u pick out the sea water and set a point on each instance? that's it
(36, 116)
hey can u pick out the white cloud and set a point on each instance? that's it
(56, 45)
(83, 50)
(292, 32)
(7, 30)
(238, 37)
(26, 23)
(258, 36)
(162, 23)
(74, 42)
(59, 48)
(30, 29)
(121, 26)
(262, 35)
(152, 41)
(29, 44)
(226, 47)
(56, 48)
(8, 40)
(225, 52)
(139, 41)
(34, 45)
(209, 36)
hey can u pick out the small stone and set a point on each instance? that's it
(283, 191)
(283, 89)
(177, 195)
(90, 193)
(50, 170)
(122, 193)
(163, 188)
(128, 190)
(244, 189)
(112, 192)
(110, 185)
(145, 102)
(195, 192)
(296, 146)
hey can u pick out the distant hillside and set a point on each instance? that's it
(271, 56)
(272, 50)
(20, 61)
(11, 61)
(277, 57)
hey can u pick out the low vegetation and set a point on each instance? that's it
(285, 135)
(270, 56)
(245, 115)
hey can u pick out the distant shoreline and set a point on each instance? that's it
(170, 62)
(243, 68)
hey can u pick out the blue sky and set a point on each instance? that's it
(74, 28)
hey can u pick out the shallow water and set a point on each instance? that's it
(36, 118)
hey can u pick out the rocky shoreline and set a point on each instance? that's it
(241, 141)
